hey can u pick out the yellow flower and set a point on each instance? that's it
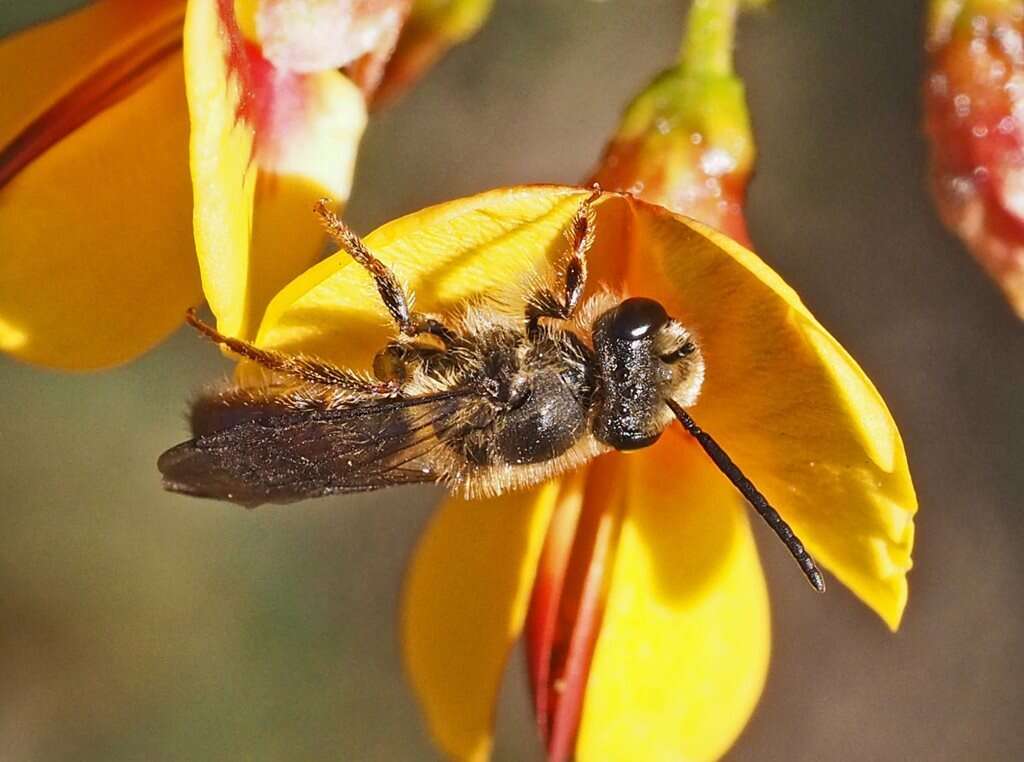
(97, 202)
(683, 639)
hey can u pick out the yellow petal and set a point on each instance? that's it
(261, 138)
(781, 396)
(96, 259)
(684, 644)
(77, 50)
(486, 244)
(789, 405)
(465, 600)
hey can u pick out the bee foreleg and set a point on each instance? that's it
(580, 235)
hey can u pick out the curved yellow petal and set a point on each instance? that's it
(265, 145)
(789, 404)
(83, 47)
(96, 261)
(782, 397)
(487, 244)
(684, 644)
(465, 599)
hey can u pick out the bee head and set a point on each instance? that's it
(644, 358)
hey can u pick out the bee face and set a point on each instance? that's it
(644, 357)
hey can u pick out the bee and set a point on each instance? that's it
(482, 401)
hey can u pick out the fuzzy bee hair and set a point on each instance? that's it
(501, 395)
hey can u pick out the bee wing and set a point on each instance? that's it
(273, 453)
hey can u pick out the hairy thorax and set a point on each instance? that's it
(532, 418)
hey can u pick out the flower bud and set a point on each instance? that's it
(685, 143)
(974, 106)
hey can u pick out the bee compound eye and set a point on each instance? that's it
(636, 319)
(678, 354)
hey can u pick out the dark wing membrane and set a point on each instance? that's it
(276, 454)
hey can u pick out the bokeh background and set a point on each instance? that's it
(136, 625)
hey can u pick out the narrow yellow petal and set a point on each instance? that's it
(223, 173)
(265, 145)
(465, 600)
(683, 650)
(96, 261)
(312, 159)
(790, 406)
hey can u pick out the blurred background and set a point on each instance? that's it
(140, 625)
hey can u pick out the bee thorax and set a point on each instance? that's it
(547, 420)
(538, 403)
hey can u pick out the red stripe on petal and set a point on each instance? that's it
(103, 88)
(542, 618)
(272, 101)
(567, 606)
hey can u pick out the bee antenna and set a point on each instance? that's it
(753, 496)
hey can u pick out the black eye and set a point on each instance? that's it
(636, 319)
(679, 354)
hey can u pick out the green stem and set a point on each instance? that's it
(707, 43)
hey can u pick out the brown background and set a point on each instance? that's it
(139, 625)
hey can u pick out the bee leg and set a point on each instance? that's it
(308, 369)
(580, 234)
(392, 294)
(391, 363)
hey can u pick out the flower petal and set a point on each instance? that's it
(781, 396)
(683, 650)
(790, 406)
(315, 35)
(96, 263)
(486, 244)
(465, 600)
(261, 138)
(78, 58)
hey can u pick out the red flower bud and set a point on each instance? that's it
(974, 107)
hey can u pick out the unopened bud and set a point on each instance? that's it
(685, 143)
(974, 107)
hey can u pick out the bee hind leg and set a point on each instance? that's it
(303, 367)
(580, 235)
